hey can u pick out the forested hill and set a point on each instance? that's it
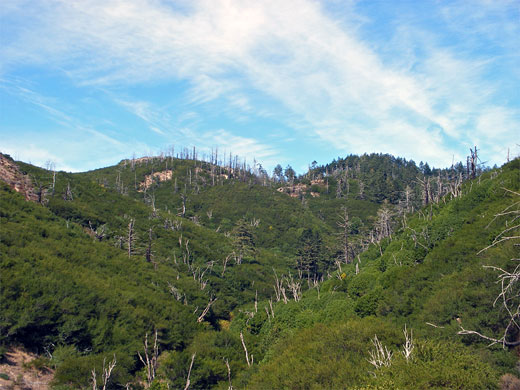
(204, 274)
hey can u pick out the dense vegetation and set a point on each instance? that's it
(118, 255)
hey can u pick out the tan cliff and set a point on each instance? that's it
(17, 180)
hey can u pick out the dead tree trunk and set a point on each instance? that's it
(148, 253)
(189, 372)
(130, 238)
(206, 310)
(249, 362)
(150, 359)
(344, 224)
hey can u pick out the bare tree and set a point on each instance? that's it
(189, 372)
(99, 232)
(206, 310)
(383, 223)
(249, 361)
(407, 194)
(224, 263)
(68, 193)
(279, 289)
(472, 162)
(150, 359)
(426, 190)
(380, 356)
(344, 225)
(148, 253)
(295, 287)
(184, 199)
(130, 237)
(408, 344)
(105, 376)
(230, 387)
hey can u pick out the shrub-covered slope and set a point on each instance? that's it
(428, 278)
(114, 254)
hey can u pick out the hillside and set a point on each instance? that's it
(218, 259)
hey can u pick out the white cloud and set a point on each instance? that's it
(332, 82)
(31, 153)
(246, 148)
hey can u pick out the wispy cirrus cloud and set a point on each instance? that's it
(421, 86)
(71, 145)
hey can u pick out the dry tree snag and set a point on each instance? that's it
(206, 310)
(150, 360)
(107, 372)
(189, 372)
(249, 361)
(344, 225)
(380, 356)
(509, 296)
(230, 387)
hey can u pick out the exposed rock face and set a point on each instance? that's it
(293, 191)
(10, 173)
(296, 190)
(149, 179)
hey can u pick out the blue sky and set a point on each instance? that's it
(87, 83)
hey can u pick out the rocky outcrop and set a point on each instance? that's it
(18, 181)
(149, 179)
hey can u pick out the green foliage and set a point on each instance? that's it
(71, 285)
(438, 365)
(337, 356)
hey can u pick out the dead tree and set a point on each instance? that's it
(361, 190)
(248, 361)
(408, 346)
(472, 162)
(279, 289)
(456, 186)
(105, 376)
(295, 287)
(407, 194)
(52, 167)
(439, 193)
(383, 223)
(189, 372)
(99, 232)
(150, 359)
(344, 225)
(177, 294)
(230, 387)
(130, 238)
(339, 192)
(426, 190)
(184, 198)
(206, 310)
(224, 263)
(380, 356)
(148, 253)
